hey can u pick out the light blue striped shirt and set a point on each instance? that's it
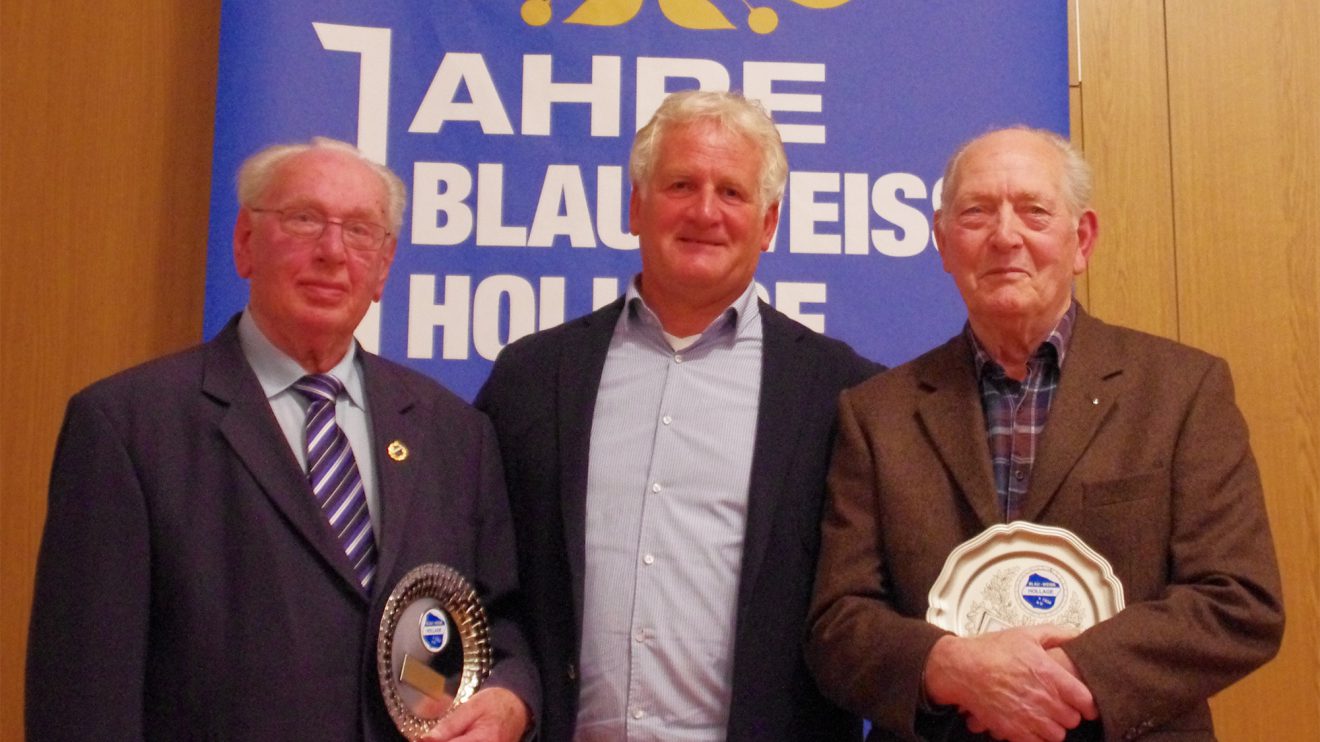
(671, 457)
(277, 372)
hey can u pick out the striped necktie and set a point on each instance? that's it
(333, 474)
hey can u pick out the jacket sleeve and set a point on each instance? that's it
(1221, 614)
(87, 640)
(866, 656)
(497, 565)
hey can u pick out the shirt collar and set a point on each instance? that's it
(734, 321)
(1056, 342)
(276, 371)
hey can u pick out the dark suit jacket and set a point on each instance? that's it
(541, 396)
(1144, 456)
(188, 586)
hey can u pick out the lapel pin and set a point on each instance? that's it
(397, 450)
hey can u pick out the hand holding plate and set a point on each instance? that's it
(492, 715)
(1008, 684)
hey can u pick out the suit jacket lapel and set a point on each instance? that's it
(580, 367)
(783, 373)
(1088, 386)
(389, 405)
(952, 417)
(252, 432)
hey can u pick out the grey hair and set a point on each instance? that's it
(729, 110)
(257, 171)
(1077, 178)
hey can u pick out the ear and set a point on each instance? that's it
(1088, 230)
(386, 260)
(243, 243)
(768, 224)
(634, 210)
(937, 230)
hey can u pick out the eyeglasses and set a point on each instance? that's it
(310, 224)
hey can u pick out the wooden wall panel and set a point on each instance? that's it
(1081, 286)
(1244, 103)
(1202, 119)
(1124, 126)
(107, 114)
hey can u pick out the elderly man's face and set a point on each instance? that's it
(700, 220)
(313, 291)
(1008, 237)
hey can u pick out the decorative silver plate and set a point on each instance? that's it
(433, 648)
(1023, 574)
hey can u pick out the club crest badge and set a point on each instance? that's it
(1041, 588)
(434, 628)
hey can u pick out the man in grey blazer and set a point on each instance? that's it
(666, 458)
(1039, 412)
(203, 574)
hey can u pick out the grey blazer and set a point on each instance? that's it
(188, 586)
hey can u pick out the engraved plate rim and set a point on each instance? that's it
(1020, 542)
(447, 586)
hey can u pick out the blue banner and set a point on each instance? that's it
(511, 124)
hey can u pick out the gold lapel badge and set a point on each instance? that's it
(397, 450)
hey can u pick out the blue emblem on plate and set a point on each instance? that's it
(1040, 592)
(434, 628)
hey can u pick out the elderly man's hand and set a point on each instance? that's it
(491, 715)
(1011, 683)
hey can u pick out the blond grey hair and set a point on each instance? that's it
(1077, 185)
(729, 110)
(257, 171)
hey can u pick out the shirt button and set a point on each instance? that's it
(640, 635)
(655, 487)
(678, 358)
(1019, 474)
(648, 559)
(666, 419)
(638, 713)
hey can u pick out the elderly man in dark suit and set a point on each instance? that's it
(1039, 412)
(225, 524)
(666, 460)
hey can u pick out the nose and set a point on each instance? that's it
(706, 205)
(331, 243)
(1008, 233)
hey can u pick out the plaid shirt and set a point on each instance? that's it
(1016, 411)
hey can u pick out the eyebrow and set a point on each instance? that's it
(1015, 197)
(357, 215)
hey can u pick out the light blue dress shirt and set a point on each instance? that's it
(670, 463)
(277, 372)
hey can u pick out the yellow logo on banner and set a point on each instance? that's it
(701, 15)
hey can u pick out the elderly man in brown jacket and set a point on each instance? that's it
(1038, 412)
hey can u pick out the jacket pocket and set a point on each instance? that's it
(1126, 488)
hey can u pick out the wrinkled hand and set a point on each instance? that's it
(491, 715)
(1015, 684)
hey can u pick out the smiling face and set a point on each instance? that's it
(699, 218)
(1008, 236)
(307, 296)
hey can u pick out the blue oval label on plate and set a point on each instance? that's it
(434, 627)
(1041, 590)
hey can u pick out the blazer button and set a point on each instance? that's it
(571, 671)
